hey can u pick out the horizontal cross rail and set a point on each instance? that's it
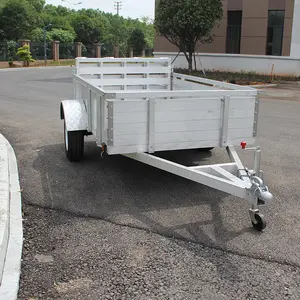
(181, 93)
(214, 83)
(86, 84)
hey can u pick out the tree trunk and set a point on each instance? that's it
(190, 62)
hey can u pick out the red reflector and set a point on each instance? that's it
(243, 145)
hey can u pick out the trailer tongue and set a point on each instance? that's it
(137, 107)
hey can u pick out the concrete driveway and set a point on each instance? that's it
(129, 193)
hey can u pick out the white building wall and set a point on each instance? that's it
(279, 65)
(295, 44)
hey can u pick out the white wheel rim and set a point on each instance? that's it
(66, 138)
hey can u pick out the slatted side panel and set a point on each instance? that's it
(186, 85)
(180, 78)
(126, 74)
(96, 110)
(180, 124)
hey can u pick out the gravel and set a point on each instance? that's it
(67, 257)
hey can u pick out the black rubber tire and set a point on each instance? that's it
(261, 223)
(75, 149)
(206, 149)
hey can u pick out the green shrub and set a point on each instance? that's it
(11, 50)
(24, 55)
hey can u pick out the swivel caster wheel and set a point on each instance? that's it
(260, 222)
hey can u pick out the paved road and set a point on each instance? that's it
(126, 192)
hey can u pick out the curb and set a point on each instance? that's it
(264, 85)
(11, 230)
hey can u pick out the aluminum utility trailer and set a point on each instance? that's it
(138, 106)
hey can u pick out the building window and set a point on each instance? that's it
(234, 30)
(275, 32)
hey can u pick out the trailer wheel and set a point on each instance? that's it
(261, 223)
(74, 144)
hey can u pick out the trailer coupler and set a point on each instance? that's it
(260, 191)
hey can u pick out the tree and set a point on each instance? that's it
(63, 11)
(57, 21)
(50, 9)
(17, 18)
(118, 33)
(137, 40)
(146, 19)
(2, 3)
(37, 35)
(27, 18)
(37, 4)
(25, 55)
(64, 36)
(146, 24)
(187, 22)
(88, 30)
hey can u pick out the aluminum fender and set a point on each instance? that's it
(75, 115)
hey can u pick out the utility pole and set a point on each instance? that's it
(118, 6)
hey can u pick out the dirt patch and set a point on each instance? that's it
(241, 78)
(39, 63)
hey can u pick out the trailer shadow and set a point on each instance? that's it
(127, 192)
(123, 190)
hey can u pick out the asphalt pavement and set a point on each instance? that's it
(198, 228)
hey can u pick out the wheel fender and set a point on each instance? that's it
(75, 114)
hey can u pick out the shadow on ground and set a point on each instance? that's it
(130, 193)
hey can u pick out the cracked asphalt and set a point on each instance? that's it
(118, 229)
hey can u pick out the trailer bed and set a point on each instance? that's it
(144, 107)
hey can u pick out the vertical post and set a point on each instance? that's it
(45, 42)
(116, 51)
(89, 111)
(74, 88)
(256, 110)
(144, 53)
(98, 120)
(78, 49)
(225, 120)
(45, 47)
(257, 158)
(151, 125)
(98, 50)
(131, 52)
(78, 90)
(24, 43)
(103, 104)
(55, 49)
(102, 114)
(172, 79)
(110, 131)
